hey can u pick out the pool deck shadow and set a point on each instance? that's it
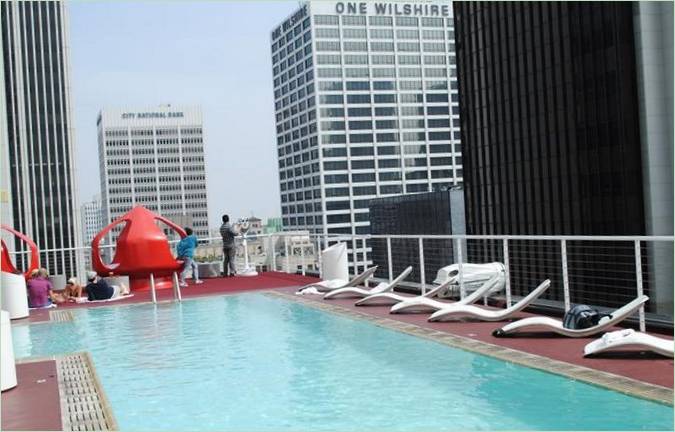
(639, 374)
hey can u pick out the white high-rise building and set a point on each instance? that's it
(366, 105)
(92, 219)
(154, 157)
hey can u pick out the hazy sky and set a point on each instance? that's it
(214, 54)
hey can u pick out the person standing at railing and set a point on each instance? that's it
(228, 234)
(186, 252)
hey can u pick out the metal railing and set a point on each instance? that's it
(603, 271)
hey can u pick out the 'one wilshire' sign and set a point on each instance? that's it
(362, 8)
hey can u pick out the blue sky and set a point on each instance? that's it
(213, 54)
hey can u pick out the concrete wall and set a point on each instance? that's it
(653, 24)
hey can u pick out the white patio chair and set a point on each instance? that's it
(388, 297)
(482, 314)
(329, 285)
(354, 291)
(629, 338)
(556, 326)
(426, 304)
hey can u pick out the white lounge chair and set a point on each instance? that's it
(388, 297)
(473, 277)
(482, 314)
(361, 292)
(630, 338)
(556, 326)
(330, 285)
(427, 304)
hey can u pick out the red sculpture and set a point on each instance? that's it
(6, 262)
(142, 249)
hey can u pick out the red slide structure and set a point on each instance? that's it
(142, 249)
(6, 261)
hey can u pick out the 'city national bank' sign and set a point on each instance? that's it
(144, 115)
(361, 8)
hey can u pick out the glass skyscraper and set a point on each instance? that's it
(37, 141)
(568, 131)
(366, 106)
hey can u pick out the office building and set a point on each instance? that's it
(431, 213)
(567, 130)
(92, 219)
(154, 157)
(37, 137)
(366, 106)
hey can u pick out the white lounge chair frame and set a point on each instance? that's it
(556, 326)
(388, 298)
(362, 292)
(427, 304)
(482, 314)
(329, 285)
(630, 338)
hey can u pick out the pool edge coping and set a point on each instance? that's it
(598, 378)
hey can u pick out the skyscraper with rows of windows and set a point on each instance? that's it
(366, 106)
(154, 158)
(38, 192)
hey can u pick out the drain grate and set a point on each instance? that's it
(84, 406)
(61, 315)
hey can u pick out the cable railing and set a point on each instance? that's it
(604, 271)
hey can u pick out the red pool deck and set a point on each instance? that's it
(215, 286)
(18, 404)
(34, 404)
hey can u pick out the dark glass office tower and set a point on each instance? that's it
(39, 146)
(551, 131)
(431, 213)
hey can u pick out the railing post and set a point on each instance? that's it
(638, 279)
(302, 257)
(319, 258)
(273, 244)
(176, 286)
(355, 256)
(507, 275)
(390, 265)
(365, 258)
(422, 275)
(460, 273)
(565, 275)
(153, 291)
(288, 257)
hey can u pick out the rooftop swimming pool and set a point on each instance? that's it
(253, 362)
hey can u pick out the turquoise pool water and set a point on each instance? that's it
(251, 362)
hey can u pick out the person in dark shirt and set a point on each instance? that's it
(97, 288)
(228, 233)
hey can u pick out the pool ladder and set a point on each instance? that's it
(176, 288)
